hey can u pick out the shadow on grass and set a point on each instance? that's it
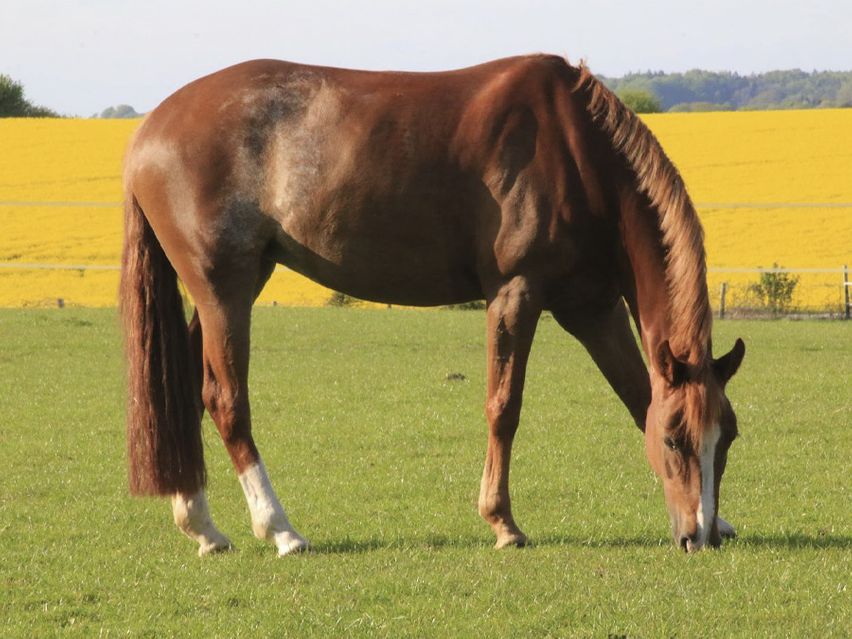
(795, 541)
(791, 541)
(356, 546)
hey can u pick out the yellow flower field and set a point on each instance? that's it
(771, 187)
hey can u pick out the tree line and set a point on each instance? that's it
(14, 104)
(726, 91)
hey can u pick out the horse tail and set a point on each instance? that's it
(165, 451)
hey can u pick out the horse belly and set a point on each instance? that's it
(381, 257)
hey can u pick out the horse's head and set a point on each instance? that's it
(689, 427)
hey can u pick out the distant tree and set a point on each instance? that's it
(13, 103)
(844, 94)
(120, 111)
(640, 101)
(692, 107)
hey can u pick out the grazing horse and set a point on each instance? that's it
(522, 181)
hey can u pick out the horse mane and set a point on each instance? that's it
(657, 178)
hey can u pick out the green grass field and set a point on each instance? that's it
(377, 457)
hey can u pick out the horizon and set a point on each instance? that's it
(102, 53)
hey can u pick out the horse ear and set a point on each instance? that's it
(670, 367)
(727, 365)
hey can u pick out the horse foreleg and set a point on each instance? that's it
(512, 315)
(608, 339)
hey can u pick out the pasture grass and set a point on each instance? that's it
(377, 456)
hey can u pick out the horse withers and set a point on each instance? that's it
(523, 181)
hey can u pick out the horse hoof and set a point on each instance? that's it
(291, 544)
(515, 540)
(215, 546)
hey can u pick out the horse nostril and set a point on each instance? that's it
(683, 542)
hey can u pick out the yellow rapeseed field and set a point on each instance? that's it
(771, 187)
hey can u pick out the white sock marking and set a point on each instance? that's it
(192, 515)
(268, 519)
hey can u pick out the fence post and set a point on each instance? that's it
(722, 300)
(846, 289)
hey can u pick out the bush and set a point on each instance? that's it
(340, 299)
(473, 305)
(640, 101)
(775, 290)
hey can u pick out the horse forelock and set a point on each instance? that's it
(690, 317)
(701, 407)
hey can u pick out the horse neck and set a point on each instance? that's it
(647, 290)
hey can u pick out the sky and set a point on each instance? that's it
(79, 57)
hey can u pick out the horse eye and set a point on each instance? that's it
(670, 443)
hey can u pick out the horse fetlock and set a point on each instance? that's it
(506, 530)
(498, 514)
(267, 520)
(272, 524)
(192, 517)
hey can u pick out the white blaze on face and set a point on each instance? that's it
(707, 503)
(268, 519)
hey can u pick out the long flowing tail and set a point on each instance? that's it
(163, 418)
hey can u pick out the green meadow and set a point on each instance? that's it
(371, 426)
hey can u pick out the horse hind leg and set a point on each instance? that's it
(512, 315)
(191, 512)
(225, 322)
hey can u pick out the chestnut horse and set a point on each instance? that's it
(522, 181)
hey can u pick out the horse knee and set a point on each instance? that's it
(230, 412)
(503, 412)
(223, 405)
(491, 505)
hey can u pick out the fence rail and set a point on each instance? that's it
(734, 291)
(815, 291)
